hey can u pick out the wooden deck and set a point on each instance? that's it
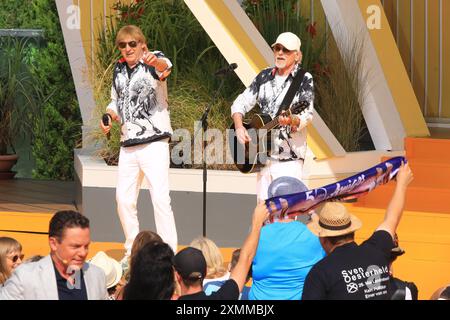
(36, 196)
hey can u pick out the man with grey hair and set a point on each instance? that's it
(269, 89)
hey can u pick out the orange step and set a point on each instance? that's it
(417, 198)
(429, 160)
(434, 150)
(429, 173)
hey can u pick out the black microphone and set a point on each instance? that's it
(225, 70)
(105, 119)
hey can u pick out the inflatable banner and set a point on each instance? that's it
(295, 204)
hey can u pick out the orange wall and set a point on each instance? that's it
(424, 47)
(426, 239)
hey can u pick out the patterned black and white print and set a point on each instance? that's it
(140, 99)
(264, 91)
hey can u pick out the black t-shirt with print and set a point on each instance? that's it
(353, 272)
(229, 291)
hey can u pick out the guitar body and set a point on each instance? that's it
(252, 156)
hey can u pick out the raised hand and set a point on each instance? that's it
(404, 175)
(260, 214)
(149, 58)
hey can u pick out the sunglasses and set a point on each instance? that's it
(278, 48)
(17, 257)
(132, 44)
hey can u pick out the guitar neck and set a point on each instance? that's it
(274, 122)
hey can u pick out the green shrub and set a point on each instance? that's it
(19, 95)
(195, 58)
(338, 78)
(339, 89)
(58, 134)
(192, 81)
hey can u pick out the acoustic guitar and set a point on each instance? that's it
(253, 155)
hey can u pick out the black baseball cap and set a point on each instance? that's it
(190, 263)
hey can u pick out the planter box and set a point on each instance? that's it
(230, 199)
(230, 202)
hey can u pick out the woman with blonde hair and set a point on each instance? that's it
(214, 259)
(10, 257)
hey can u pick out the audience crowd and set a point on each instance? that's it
(315, 258)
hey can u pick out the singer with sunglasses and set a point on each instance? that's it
(10, 257)
(275, 89)
(139, 104)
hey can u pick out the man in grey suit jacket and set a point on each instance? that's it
(63, 274)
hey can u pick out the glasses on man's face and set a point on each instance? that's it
(131, 44)
(16, 257)
(278, 48)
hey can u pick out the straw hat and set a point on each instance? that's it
(111, 267)
(334, 220)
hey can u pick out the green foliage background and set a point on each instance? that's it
(171, 28)
(60, 131)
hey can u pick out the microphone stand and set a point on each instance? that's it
(204, 122)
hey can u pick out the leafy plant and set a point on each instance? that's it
(60, 130)
(19, 95)
(194, 58)
(340, 91)
(338, 78)
(273, 17)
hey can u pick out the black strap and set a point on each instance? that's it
(295, 85)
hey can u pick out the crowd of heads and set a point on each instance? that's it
(155, 272)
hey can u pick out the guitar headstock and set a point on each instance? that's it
(299, 107)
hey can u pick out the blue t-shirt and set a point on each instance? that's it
(286, 252)
(213, 286)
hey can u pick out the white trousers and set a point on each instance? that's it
(153, 160)
(275, 169)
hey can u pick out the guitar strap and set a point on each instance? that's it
(293, 88)
(285, 104)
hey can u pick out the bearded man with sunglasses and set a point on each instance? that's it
(139, 104)
(269, 89)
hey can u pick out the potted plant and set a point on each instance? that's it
(19, 98)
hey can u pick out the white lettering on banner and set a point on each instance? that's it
(351, 185)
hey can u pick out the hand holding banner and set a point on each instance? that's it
(350, 188)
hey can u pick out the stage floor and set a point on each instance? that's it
(26, 195)
(26, 207)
